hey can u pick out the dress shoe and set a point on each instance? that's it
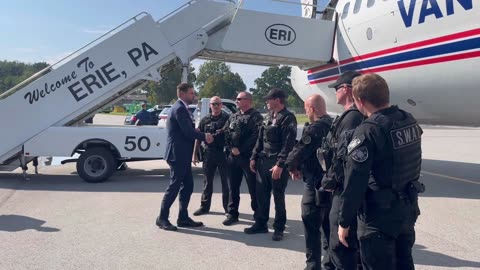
(230, 221)
(188, 222)
(277, 235)
(165, 225)
(256, 229)
(200, 212)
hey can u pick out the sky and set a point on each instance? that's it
(48, 30)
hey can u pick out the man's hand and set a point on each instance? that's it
(343, 234)
(276, 172)
(235, 151)
(252, 166)
(208, 138)
(296, 175)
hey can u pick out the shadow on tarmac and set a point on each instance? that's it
(16, 223)
(131, 180)
(293, 235)
(422, 256)
(442, 179)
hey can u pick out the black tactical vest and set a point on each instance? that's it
(238, 127)
(404, 138)
(212, 125)
(272, 132)
(310, 133)
(341, 143)
(335, 148)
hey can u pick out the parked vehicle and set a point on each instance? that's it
(229, 106)
(154, 112)
(162, 117)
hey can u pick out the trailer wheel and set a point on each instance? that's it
(96, 165)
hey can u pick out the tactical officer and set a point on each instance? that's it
(302, 163)
(335, 148)
(213, 155)
(241, 133)
(381, 179)
(276, 139)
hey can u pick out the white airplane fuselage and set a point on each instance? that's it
(427, 50)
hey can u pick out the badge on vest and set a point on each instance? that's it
(354, 143)
(307, 139)
(360, 154)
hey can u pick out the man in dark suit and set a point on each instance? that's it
(181, 137)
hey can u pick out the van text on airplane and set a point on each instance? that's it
(430, 8)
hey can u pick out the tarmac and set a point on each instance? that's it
(57, 221)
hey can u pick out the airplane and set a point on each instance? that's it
(427, 50)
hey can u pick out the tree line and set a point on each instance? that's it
(214, 78)
(13, 73)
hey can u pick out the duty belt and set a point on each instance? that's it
(265, 155)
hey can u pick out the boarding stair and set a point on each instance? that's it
(125, 58)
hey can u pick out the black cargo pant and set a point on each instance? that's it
(240, 167)
(317, 228)
(344, 258)
(213, 159)
(383, 251)
(265, 187)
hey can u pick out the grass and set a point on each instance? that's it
(117, 113)
(301, 119)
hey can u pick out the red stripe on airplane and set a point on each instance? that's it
(324, 79)
(310, 71)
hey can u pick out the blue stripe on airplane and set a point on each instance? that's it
(438, 50)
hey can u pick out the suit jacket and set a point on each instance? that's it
(181, 134)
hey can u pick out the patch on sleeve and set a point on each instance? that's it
(354, 143)
(360, 154)
(307, 139)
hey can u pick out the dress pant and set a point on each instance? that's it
(240, 167)
(214, 158)
(265, 187)
(181, 182)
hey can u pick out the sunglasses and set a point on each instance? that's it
(342, 86)
(240, 99)
(215, 104)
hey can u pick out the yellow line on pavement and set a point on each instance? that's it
(453, 178)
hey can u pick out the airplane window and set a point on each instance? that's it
(356, 8)
(370, 3)
(345, 11)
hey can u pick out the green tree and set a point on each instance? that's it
(13, 73)
(275, 77)
(216, 79)
(165, 91)
(208, 69)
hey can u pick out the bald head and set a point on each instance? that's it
(215, 99)
(317, 103)
(216, 105)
